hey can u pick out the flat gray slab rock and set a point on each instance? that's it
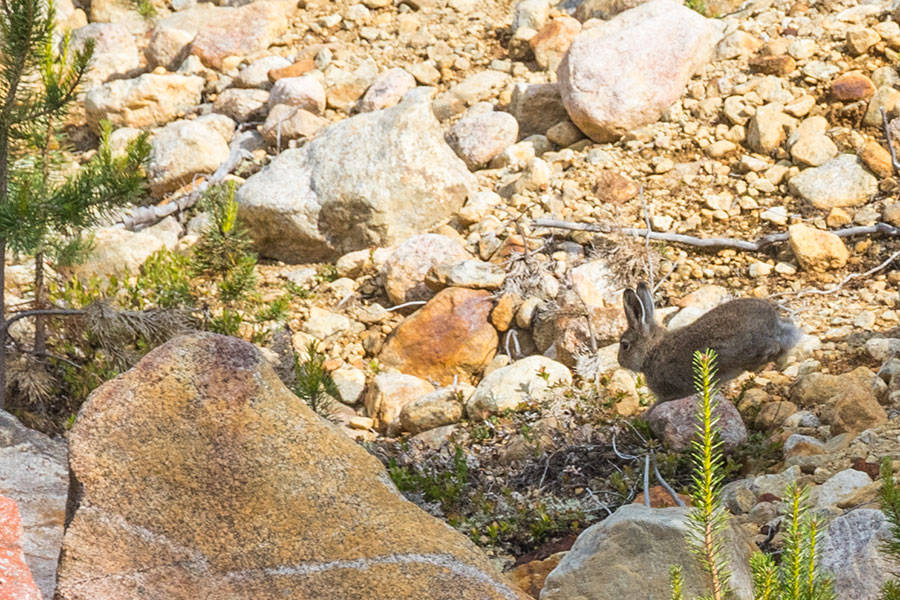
(34, 473)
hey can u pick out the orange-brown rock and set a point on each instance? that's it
(852, 86)
(553, 40)
(877, 158)
(660, 498)
(16, 582)
(610, 186)
(780, 64)
(296, 69)
(530, 576)
(505, 311)
(199, 475)
(448, 337)
(854, 410)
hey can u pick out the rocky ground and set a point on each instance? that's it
(395, 159)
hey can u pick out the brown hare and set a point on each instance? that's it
(746, 334)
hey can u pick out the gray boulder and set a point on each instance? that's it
(632, 550)
(624, 73)
(371, 180)
(850, 551)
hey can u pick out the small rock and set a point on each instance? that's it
(526, 380)
(537, 107)
(436, 409)
(479, 138)
(674, 423)
(146, 101)
(767, 128)
(552, 41)
(852, 86)
(351, 383)
(817, 250)
(564, 134)
(474, 88)
(840, 485)
(322, 323)
(449, 338)
(387, 90)
(425, 73)
(240, 31)
(181, 150)
(473, 274)
(664, 41)
(405, 270)
(304, 92)
(720, 148)
(885, 97)
(780, 65)
(345, 87)
(860, 39)
(736, 44)
(256, 74)
(285, 123)
(389, 393)
(877, 158)
(295, 69)
(841, 181)
(242, 105)
(115, 52)
(773, 414)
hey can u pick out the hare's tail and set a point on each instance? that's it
(788, 334)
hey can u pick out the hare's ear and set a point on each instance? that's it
(646, 298)
(634, 310)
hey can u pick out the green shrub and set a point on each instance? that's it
(313, 384)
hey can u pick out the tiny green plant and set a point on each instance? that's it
(224, 249)
(313, 384)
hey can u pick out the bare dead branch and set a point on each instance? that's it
(843, 282)
(689, 240)
(890, 143)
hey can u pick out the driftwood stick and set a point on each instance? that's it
(689, 240)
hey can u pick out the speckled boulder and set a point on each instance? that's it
(199, 475)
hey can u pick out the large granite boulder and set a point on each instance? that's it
(197, 474)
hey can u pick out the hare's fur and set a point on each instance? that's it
(746, 334)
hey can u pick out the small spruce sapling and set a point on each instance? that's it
(797, 577)
(313, 384)
(708, 517)
(225, 249)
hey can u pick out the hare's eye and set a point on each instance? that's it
(625, 345)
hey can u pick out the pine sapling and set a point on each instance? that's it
(708, 518)
(313, 384)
